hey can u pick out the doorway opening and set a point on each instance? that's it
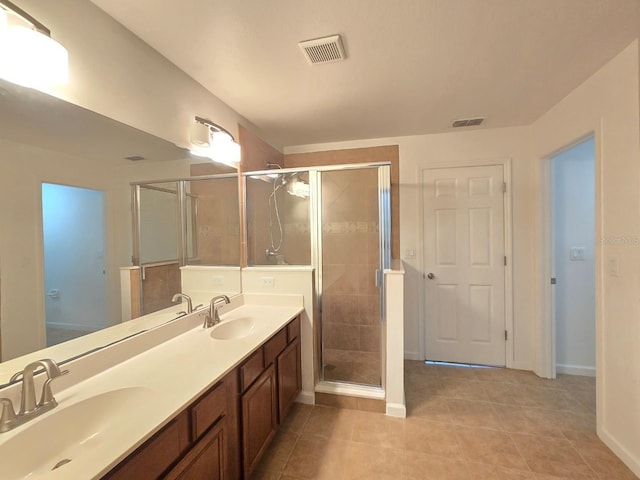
(74, 271)
(572, 258)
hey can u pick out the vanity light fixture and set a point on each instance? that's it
(210, 140)
(28, 54)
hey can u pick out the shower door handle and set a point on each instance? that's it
(378, 278)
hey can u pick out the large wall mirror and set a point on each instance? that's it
(66, 221)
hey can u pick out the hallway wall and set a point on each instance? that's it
(574, 227)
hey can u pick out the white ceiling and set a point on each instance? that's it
(413, 65)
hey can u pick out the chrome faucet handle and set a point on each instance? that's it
(213, 317)
(179, 296)
(8, 416)
(52, 368)
(47, 399)
(195, 309)
(28, 400)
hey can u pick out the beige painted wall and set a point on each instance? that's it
(608, 105)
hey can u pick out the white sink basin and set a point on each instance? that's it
(65, 434)
(235, 328)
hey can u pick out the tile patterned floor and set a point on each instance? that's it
(462, 424)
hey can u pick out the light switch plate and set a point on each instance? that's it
(576, 254)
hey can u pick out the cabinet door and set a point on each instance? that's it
(259, 418)
(205, 461)
(289, 377)
(157, 454)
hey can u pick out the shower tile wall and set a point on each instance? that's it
(218, 228)
(350, 302)
(158, 286)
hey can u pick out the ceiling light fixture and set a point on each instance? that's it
(28, 55)
(212, 141)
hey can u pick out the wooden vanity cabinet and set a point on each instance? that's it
(266, 401)
(206, 460)
(223, 434)
(156, 455)
(193, 443)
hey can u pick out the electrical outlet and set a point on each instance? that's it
(268, 282)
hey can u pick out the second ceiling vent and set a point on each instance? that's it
(467, 122)
(323, 50)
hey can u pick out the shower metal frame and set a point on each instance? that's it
(315, 232)
(182, 213)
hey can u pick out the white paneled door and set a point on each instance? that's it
(464, 264)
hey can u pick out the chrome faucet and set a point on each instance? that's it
(213, 317)
(28, 407)
(179, 296)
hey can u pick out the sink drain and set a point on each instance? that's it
(62, 462)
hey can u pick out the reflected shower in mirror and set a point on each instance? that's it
(49, 142)
(185, 223)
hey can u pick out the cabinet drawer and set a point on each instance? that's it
(251, 369)
(293, 329)
(208, 410)
(274, 346)
(156, 455)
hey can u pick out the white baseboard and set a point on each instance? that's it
(521, 366)
(576, 370)
(412, 356)
(396, 410)
(623, 454)
(306, 397)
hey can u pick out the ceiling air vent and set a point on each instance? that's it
(323, 50)
(467, 122)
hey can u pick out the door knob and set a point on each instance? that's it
(431, 276)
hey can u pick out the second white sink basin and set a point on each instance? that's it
(66, 433)
(233, 329)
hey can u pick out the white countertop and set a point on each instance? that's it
(165, 376)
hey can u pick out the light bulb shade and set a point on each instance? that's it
(4, 20)
(298, 188)
(32, 59)
(224, 149)
(200, 135)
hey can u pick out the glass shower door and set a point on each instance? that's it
(351, 258)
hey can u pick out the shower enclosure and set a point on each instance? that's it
(336, 219)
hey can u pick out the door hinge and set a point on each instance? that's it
(506, 335)
(505, 260)
(504, 187)
(553, 281)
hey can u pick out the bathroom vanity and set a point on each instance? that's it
(223, 433)
(178, 401)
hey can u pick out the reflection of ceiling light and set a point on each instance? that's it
(212, 141)
(28, 54)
